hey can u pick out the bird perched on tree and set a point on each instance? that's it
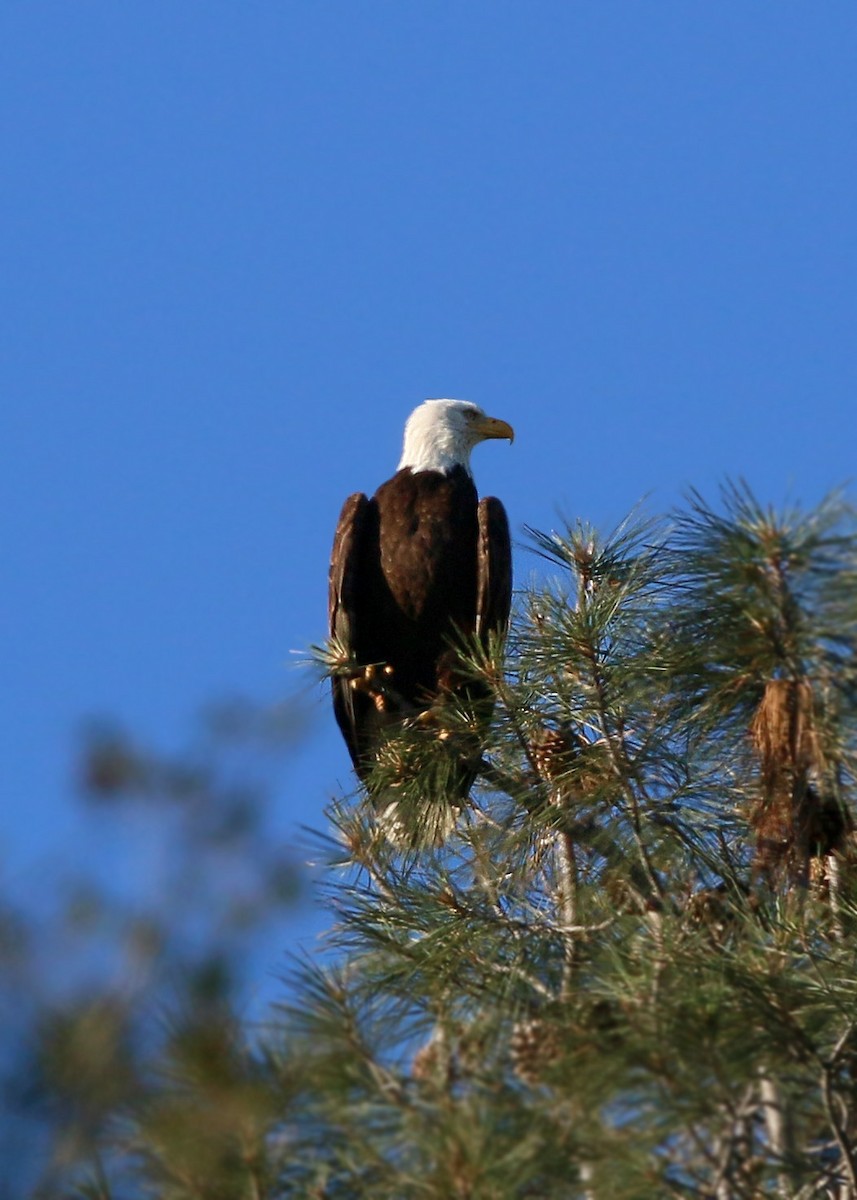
(420, 564)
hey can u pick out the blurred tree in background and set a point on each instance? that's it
(121, 960)
(626, 969)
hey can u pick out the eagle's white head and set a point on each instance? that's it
(440, 435)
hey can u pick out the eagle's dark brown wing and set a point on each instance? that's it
(343, 581)
(494, 569)
(344, 613)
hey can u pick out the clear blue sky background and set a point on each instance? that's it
(240, 241)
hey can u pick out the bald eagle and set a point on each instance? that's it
(421, 563)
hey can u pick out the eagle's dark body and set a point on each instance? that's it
(418, 565)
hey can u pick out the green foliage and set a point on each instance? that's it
(625, 969)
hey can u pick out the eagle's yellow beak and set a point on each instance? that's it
(493, 427)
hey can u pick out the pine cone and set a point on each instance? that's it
(553, 752)
(432, 1063)
(577, 768)
(709, 909)
(533, 1047)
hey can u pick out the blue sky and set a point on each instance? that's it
(239, 243)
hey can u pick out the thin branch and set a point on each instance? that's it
(839, 1130)
(778, 1124)
(567, 873)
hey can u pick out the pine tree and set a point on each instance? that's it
(626, 968)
